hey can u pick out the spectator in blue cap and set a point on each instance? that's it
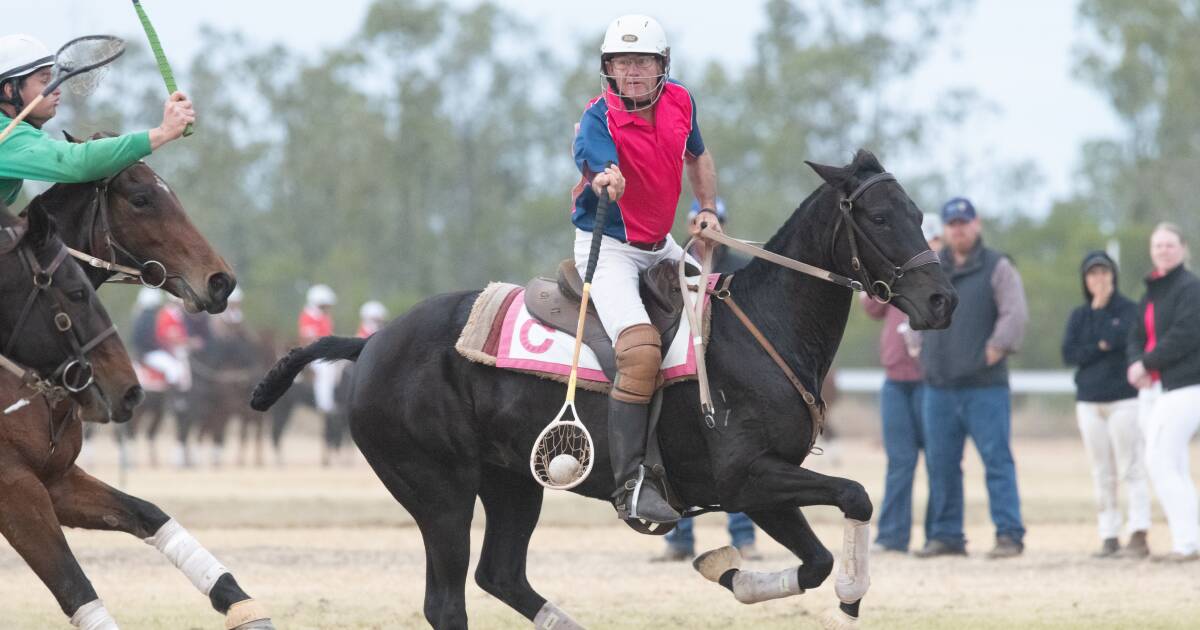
(967, 392)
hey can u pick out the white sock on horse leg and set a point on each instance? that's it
(751, 587)
(551, 617)
(853, 577)
(93, 616)
(187, 554)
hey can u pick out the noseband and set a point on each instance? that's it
(74, 374)
(879, 289)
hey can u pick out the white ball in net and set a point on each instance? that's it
(563, 469)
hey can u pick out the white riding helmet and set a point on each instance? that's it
(373, 310)
(148, 298)
(21, 55)
(635, 34)
(321, 295)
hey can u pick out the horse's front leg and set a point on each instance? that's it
(81, 500)
(27, 520)
(772, 485)
(788, 526)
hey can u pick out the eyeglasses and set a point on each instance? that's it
(641, 62)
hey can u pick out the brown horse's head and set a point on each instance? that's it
(54, 325)
(148, 228)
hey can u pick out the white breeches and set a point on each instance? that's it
(1169, 428)
(325, 380)
(174, 367)
(1113, 438)
(615, 283)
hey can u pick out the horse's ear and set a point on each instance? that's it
(69, 137)
(864, 159)
(835, 176)
(41, 224)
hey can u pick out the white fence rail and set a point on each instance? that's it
(1022, 381)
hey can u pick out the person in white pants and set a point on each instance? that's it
(1107, 406)
(1164, 350)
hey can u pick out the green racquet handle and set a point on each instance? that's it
(164, 67)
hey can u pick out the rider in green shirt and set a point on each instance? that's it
(29, 153)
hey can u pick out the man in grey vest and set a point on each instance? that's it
(966, 372)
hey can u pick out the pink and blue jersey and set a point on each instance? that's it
(650, 157)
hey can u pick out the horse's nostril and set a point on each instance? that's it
(220, 285)
(133, 397)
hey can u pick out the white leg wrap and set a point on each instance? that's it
(853, 578)
(551, 617)
(93, 616)
(751, 587)
(186, 553)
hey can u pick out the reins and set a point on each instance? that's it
(880, 290)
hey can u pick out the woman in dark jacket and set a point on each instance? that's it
(1164, 355)
(1107, 406)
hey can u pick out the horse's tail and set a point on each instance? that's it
(280, 377)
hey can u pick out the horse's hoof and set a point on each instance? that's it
(713, 564)
(248, 614)
(837, 619)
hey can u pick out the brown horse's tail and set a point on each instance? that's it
(280, 377)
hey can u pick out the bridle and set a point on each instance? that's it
(98, 221)
(879, 289)
(75, 373)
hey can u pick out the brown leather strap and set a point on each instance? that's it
(816, 408)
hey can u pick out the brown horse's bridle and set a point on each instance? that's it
(98, 221)
(74, 374)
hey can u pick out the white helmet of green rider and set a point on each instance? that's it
(20, 56)
(635, 34)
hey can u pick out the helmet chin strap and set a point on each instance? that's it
(609, 82)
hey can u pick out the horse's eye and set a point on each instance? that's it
(879, 219)
(77, 295)
(140, 201)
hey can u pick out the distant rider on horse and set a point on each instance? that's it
(29, 153)
(634, 141)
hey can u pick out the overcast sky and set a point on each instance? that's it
(1015, 53)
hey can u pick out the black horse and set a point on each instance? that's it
(440, 430)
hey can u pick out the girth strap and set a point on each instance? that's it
(816, 408)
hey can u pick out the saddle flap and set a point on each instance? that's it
(545, 300)
(569, 281)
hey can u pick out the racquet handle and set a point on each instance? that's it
(597, 236)
(164, 67)
(16, 121)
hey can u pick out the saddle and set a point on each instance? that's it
(555, 303)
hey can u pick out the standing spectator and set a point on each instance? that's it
(1164, 353)
(681, 541)
(900, 403)
(1106, 406)
(967, 393)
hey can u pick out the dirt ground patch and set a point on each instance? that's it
(328, 548)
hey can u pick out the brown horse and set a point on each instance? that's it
(135, 220)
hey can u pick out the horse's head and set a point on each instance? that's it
(148, 227)
(52, 323)
(878, 241)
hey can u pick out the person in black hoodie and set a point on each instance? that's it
(1107, 406)
(1164, 355)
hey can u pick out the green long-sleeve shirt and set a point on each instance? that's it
(29, 153)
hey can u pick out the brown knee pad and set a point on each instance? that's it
(639, 357)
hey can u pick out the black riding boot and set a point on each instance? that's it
(636, 496)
